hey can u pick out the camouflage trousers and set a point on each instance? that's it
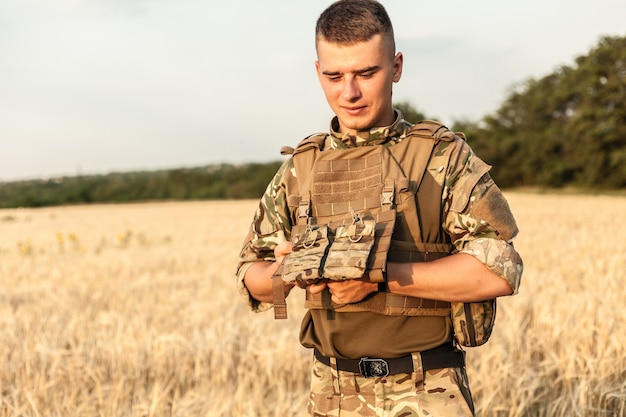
(432, 393)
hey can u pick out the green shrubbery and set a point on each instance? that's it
(214, 182)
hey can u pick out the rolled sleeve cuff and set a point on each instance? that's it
(255, 305)
(499, 257)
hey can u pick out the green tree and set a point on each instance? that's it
(567, 128)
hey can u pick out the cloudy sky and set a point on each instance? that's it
(95, 86)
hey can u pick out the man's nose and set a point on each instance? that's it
(351, 89)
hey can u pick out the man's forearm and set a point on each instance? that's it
(258, 280)
(459, 277)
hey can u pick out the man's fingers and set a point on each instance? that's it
(282, 249)
(317, 288)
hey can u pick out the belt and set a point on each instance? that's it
(441, 357)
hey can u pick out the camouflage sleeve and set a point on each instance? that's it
(270, 226)
(478, 217)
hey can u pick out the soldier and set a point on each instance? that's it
(388, 227)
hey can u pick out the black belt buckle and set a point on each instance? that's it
(373, 368)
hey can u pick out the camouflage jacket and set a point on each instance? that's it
(470, 234)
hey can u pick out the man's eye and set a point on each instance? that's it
(334, 79)
(367, 75)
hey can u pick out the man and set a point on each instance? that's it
(375, 355)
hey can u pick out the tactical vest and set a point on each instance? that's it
(358, 208)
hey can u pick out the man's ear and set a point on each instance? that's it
(398, 61)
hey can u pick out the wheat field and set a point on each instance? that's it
(132, 310)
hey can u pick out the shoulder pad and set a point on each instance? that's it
(315, 141)
(432, 129)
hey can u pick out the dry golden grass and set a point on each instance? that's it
(132, 310)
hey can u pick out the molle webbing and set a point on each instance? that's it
(352, 181)
(383, 303)
(425, 252)
(347, 181)
(344, 185)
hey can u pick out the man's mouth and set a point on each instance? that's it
(354, 111)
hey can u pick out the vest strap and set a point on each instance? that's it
(280, 304)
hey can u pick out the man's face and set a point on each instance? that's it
(357, 81)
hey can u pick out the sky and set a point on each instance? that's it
(99, 86)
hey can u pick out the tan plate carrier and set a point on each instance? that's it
(397, 187)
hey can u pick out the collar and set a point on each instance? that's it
(393, 133)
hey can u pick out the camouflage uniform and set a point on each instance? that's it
(463, 220)
(437, 392)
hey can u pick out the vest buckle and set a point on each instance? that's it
(388, 190)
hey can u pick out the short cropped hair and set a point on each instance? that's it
(347, 22)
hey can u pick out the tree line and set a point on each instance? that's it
(223, 181)
(566, 129)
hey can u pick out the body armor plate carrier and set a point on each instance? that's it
(358, 208)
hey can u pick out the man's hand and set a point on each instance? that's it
(283, 249)
(347, 291)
